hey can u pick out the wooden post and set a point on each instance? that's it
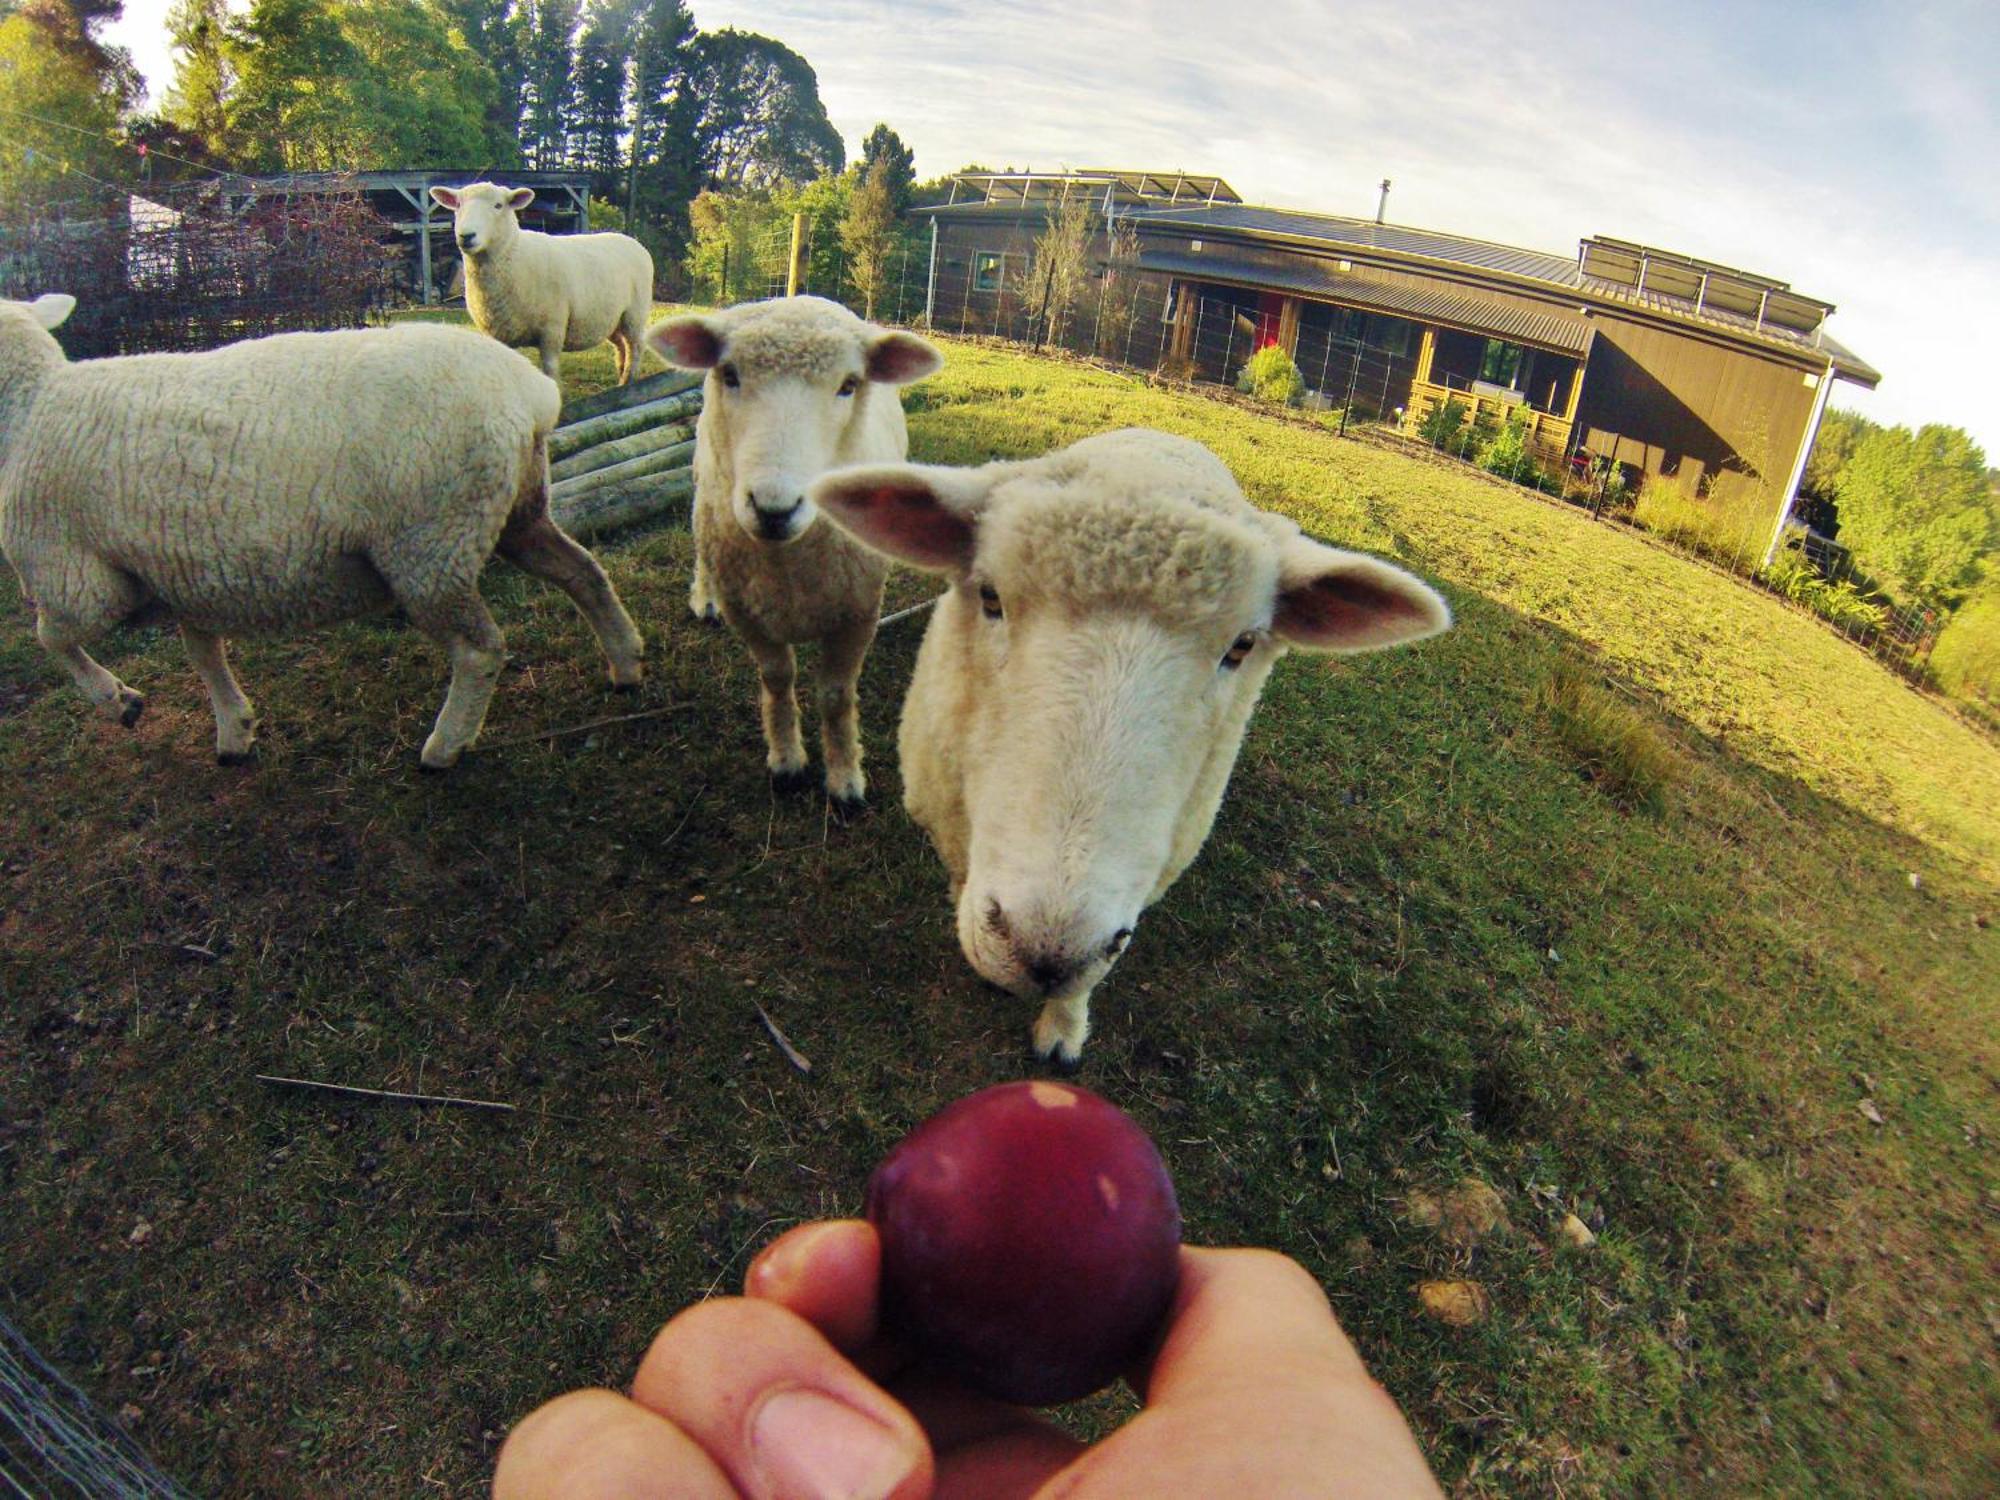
(795, 270)
(1424, 352)
(1288, 325)
(930, 278)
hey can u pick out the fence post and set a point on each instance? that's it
(1353, 374)
(795, 270)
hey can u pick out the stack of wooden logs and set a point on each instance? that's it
(625, 455)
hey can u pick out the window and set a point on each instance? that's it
(1500, 362)
(988, 271)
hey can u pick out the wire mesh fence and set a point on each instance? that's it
(195, 266)
(55, 1444)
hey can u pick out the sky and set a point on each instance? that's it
(1851, 149)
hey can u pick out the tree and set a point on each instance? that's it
(664, 156)
(1916, 510)
(602, 112)
(548, 86)
(198, 99)
(1061, 263)
(70, 26)
(884, 148)
(74, 114)
(365, 84)
(868, 233)
(761, 120)
(496, 31)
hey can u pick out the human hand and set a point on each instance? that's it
(790, 1392)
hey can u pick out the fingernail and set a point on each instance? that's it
(775, 1271)
(812, 1447)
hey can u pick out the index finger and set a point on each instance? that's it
(1247, 1314)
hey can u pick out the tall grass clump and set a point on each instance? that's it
(1272, 375)
(1727, 526)
(1841, 604)
(1966, 658)
(1614, 744)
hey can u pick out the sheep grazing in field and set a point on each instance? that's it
(557, 292)
(796, 386)
(278, 484)
(1083, 687)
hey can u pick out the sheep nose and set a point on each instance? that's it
(774, 520)
(465, 241)
(1049, 971)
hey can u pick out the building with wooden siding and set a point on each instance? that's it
(1660, 362)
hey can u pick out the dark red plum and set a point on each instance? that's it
(1030, 1241)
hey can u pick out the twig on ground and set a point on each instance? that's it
(793, 1056)
(902, 614)
(556, 734)
(393, 1096)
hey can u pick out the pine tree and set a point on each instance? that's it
(548, 81)
(198, 99)
(884, 147)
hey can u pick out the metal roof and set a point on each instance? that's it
(998, 190)
(1653, 287)
(1564, 332)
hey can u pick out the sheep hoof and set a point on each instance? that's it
(848, 809)
(790, 783)
(233, 757)
(1066, 1066)
(629, 689)
(134, 706)
(707, 614)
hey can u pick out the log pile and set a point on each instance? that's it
(625, 455)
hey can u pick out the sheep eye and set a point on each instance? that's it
(989, 601)
(849, 386)
(730, 378)
(1241, 647)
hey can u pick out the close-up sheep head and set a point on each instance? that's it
(1083, 687)
(788, 380)
(484, 214)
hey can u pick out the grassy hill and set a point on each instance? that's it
(1639, 896)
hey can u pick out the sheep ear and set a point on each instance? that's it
(51, 308)
(520, 198)
(1330, 600)
(920, 514)
(445, 197)
(899, 358)
(689, 342)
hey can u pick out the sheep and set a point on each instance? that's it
(795, 386)
(557, 292)
(277, 484)
(1083, 686)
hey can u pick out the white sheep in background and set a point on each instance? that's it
(1082, 689)
(796, 386)
(557, 292)
(278, 484)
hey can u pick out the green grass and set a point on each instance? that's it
(1429, 940)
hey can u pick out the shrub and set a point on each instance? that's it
(1726, 528)
(1510, 453)
(1442, 425)
(1967, 655)
(1616, 746)
(1840, 604)
(1271, 375)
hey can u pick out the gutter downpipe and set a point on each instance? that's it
(1799, 464)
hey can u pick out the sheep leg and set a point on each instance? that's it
(62, 636)
(235, 720)
(1061, 1029)
(478, 653)
(701, 603)
(777, 669)
(626, 351)
(541, 547)
(840, 661)
(549, 348)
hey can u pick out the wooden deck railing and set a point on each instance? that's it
(1549, 432)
